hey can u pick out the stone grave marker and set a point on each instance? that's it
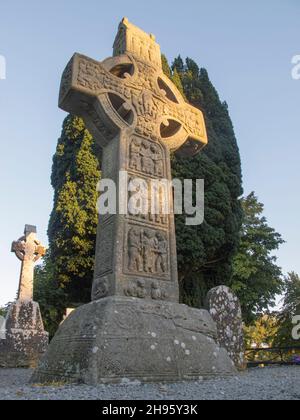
(225, 310)
(25, 338)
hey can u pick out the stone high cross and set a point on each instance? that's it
(134, 327)
(28, 250)
(138, 117)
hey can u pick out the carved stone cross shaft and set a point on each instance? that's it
(138, 117)
(28, 250)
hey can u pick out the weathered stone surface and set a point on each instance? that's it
(225, 310)
(125, 338)
(25, 340)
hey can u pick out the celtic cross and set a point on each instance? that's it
(28, 250)
(138, 117)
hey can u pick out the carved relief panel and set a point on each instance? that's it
(147, 162)
(147, 252)
(154, 205)
(146, 157)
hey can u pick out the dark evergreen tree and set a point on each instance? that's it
(178, 65)
(205, 252)
(165, 66)
(175, 77)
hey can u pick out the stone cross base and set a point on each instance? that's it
(25, 339)
(119, 339)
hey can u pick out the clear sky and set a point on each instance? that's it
(247, 47)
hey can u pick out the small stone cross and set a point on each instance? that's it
(28, 250)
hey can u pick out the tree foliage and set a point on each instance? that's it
(257, 279)
(291, 308)
(261, 333)
(205, 252)
(51, 297)
(4, 309)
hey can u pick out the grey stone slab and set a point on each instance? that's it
(225, 309)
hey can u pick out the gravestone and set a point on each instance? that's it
(134, 327)
(225, 310)
(25, 339)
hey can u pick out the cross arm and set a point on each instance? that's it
(18, 247)
(185, 129)
(40, 251)
(87, 90)
(191, 136)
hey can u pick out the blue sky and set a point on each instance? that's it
(247, 47)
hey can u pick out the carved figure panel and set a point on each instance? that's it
(151, 291)
(148, 252)
(153, 203)
(157, 293)
(137, 290)
(146, 157)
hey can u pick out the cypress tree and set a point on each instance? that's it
(205, 252)
(165, 66)
(177, 82)
(178, 64)
(73, 222)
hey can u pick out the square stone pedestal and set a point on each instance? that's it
(116, 339)
(25, 339)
